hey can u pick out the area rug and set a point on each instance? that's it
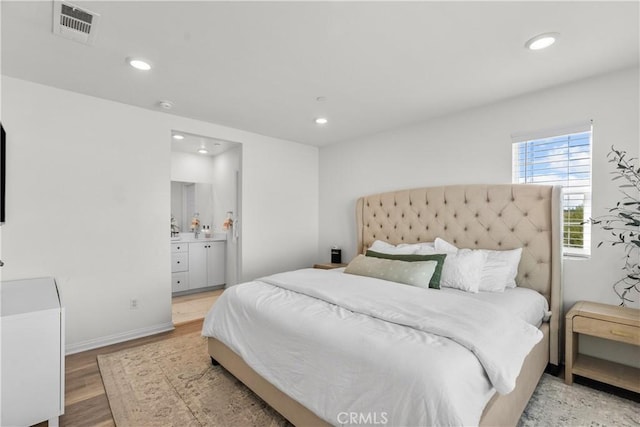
(172, 383)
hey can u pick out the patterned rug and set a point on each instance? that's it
(172, 382)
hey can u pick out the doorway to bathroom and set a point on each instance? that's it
(205, 235)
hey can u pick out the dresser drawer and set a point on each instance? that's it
(179, 247)
(608, 330)
(179, 282)
(179, 262)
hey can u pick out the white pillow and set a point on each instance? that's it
(499, 271)
(401, 249)
(462, 269)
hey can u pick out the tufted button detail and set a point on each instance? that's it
(465, 229)
(476, 243)
(436, 215)
(410, 228)
(380, 225)
(374, 236)
(418, 215)
(402, 238)
(380, 204)
(367, 225)
(374, 215)
(455, 215)
(540, 230)
(465, 201)
(455, 241)
(387, 215)
(367, 204)
(525, 214)
(395, 203)
(427, 227)
(526, 275)
(499, 243)
(410, 203)
(488, 228)
(477, 215)
(513, 229)
(445, 201)
(526, 244)
(500, 215)
(445, 227)
(402, 215)
(513, 199)
(387, 237)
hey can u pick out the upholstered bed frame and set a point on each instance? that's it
(495, 217)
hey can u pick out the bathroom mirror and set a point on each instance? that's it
(188, 198)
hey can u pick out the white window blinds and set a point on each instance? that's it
(560, 157)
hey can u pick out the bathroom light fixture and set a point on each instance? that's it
(541, 41)
(321, 121)
(203, 150)
(139, 64)
(178, 136)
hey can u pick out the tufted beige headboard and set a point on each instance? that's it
(495, 217)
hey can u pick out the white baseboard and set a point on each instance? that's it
(116, 338)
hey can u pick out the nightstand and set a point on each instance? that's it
(328, 266)
(604, 321)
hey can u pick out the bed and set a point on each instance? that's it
(494, 217)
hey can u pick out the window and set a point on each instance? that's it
(561, 157)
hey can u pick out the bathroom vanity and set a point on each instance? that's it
(197, 263)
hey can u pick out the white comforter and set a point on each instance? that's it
(343, 344)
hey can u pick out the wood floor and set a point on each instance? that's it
(86, 403)
(187, 308)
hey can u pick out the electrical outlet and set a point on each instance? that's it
(133, 304)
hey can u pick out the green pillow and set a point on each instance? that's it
(439, 258)
(410, 273)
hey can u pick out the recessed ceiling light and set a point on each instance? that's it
(202, 150)
(178, 136)
(139, 64)
(541, 41)
(321, 98)
(321, 121)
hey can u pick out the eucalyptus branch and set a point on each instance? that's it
(623, 222)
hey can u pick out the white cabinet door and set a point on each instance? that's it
(32, 343)
(216, 263)
(179, 281)
(198, 265)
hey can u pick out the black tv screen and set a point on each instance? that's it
(3, 171)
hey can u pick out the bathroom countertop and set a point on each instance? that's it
(189, 238)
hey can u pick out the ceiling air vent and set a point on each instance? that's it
(73, 22)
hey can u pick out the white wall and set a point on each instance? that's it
(474, 146)
(88, 202)
(225, 167)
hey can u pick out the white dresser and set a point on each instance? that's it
(32, 350)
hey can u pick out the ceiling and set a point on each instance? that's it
(260, 66)
(191, 143)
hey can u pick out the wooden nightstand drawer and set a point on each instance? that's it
(608, 330)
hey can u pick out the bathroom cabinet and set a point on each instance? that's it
(197, 264)
(206, 264)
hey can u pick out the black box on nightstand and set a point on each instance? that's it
(336, 256)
